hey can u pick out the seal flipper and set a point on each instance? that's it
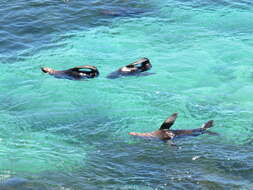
(143, 64)
(83, 67)
(83, 71)
(169, 121)
(207, 125)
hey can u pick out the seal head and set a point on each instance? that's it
(47, 70)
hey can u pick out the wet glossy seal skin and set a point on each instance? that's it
(165, 134)
(76, 73)
(135, 68)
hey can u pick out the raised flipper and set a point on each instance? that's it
(129, 68)
(84, 67)
(141, 65)
(141, 61)
(169, 121)
(84, 71)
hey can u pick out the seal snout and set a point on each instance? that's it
(46, 69)
(43, 70)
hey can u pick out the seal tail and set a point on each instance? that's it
(207, 125)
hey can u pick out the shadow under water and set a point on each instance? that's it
(149, 165)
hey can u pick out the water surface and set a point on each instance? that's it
(63, 134)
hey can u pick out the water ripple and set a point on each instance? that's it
(61, 134)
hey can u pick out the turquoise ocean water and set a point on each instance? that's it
(73, 135)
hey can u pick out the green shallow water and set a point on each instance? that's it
(63, 134)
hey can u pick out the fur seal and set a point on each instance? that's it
(164, 133)
(135, 68)
(76, 73)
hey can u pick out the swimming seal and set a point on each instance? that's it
(164, 133)
(76, 73)
(135, 68)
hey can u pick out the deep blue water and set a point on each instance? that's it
(73, 135)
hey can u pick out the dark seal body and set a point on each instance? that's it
(133, 69)
(164, 133)
(76, 73)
